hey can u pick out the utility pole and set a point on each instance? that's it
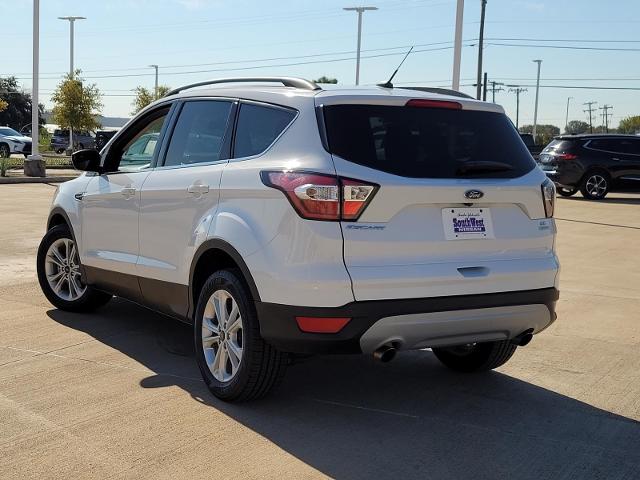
(566, 118)
(535, 110)
(483, 4)
(484, 88)
(605, 116)
(457, 46)
(517, 90)
(155, 94)
(72, 21)
(590, 109)
(360, 11)
(495, 87)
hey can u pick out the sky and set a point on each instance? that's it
(193, 40)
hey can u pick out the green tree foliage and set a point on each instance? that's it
(76, 105)
(145, 96)
(630, 125)
(544, 133)
(17, 111)
(575, 127)
(324, 79)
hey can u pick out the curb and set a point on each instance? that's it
(16, 180)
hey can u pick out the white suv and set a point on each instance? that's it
(287, 219)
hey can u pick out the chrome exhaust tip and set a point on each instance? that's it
(385, 354)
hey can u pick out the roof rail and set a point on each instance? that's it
(442, 91)
(286, 81)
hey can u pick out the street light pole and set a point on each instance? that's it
(566, 118)
(360, 11)
(34, 165)
(535, 110)
(457, 46)
(72, 21)
(155, 94)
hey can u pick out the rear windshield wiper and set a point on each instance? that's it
(481, 166)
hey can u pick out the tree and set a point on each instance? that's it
(324, 79)
(577, 126)
(544, 133)
(76, 105)
(630, 125)
(145, 96)
(17, 111)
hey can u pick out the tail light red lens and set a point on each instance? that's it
(318, 196)
(426, 103)
(321, 324)
(566, 156)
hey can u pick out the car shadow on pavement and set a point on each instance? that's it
(351, 417)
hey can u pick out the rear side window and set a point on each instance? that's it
(427, 142)
(258, 127)
(199, 133)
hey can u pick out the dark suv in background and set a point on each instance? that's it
(81, 139)
(592, 164)
(102, 137)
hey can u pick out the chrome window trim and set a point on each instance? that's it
(586, 145)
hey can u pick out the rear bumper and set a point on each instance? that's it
(413, 323)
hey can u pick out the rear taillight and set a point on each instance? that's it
(566, 156)
(425, 103)
(317, 196)
(548, 197)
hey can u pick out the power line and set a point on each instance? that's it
(566, 47)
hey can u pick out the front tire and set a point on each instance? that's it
(5, 152)
(59, 268)
(477, 357)
(235, 362)
(595, 185)
(567, 192)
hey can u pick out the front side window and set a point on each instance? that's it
(198, 136)
(138, 153)
(258, 127)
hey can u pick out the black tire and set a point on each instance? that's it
(5, 151)
(567, 192)
(595, 177)
(262, 367)
(478, 357)
(90, 300)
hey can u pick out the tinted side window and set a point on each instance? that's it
(605, 144)
(199, 133)
(258, 127)
(630, 146)
(138, 153)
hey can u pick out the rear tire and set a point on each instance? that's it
(235, 362)
(595, 185)
(567, 192)
(478, 357)
(58, 266)
(5, 152)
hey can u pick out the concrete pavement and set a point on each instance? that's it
(117, 394)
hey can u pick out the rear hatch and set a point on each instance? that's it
(459, 207)
(558, 149)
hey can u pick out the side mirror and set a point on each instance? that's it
(86, 160)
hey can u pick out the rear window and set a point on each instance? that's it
(558, 146)
(427, 142)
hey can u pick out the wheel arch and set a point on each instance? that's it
(213, 255)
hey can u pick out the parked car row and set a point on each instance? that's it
(12, 141)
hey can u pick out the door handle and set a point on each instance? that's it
(198, 189)
(128, 192)
(615, 159)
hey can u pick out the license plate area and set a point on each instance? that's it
(467, 223)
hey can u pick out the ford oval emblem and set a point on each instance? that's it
(473, 194)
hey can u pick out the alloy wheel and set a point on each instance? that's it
(62, 268)
(596, 185)
(222, 340)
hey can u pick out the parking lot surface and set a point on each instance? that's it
(117, 394)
